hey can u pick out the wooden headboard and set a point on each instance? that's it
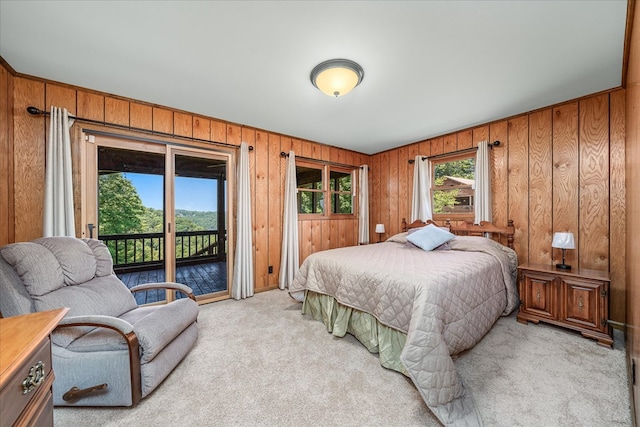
(468, 228)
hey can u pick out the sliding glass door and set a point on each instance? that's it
(162, 212)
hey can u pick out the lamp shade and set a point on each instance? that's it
(337, 77)
(379, 228)
(563, 241)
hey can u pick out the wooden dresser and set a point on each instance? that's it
(577, 299)
(26, 377)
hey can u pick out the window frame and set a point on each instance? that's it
(327, 192)
(448, 159)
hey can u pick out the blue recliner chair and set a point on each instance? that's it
(107, 351)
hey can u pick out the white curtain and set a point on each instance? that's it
(482, 202)
(58, 186)
(421, 199)
(243, 267)
(289, 261)
(363, 205)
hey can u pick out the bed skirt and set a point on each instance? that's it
(340, 320)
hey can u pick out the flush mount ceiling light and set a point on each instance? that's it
(337, 77)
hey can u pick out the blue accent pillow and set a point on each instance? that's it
(430, 237)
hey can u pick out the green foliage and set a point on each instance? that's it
(464, 168)
(120, 207)
(121, 212)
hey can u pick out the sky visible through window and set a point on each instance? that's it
(192, 194)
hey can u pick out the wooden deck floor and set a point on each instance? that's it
(202, 278)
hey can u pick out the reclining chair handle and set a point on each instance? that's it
(75, 393)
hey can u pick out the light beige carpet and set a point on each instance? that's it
(259, 362)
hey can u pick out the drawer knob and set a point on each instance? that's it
(34, 379)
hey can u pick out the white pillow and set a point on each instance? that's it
(430, 237)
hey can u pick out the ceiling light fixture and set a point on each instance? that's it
(337, 77)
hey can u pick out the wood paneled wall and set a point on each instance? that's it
(6, 161)
(633, 204)
(557, 169)
(22, 161)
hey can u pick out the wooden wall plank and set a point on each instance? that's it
(518, 177)
(90, 106)
(325, 153)
(394, 225)
(261, 209)
(375, 174)
(61, 97)
(234, 134)
(565, 176)
(326, 235)
(183, 124)
(316, 235)
(499, 173)
(617, 205)
(218, 131)
(594, 182)
(424, 148)
(162, 120)
(141, 116)
(116, 111)
(450, 143)
(404, 189)
(201, 128)
(6, 159)
(480, 134)
(275, 207)
(437, 146)
(465, 139)
(29, 159)
(540, 187)
(385, 196)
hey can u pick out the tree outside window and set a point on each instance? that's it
(453, 187)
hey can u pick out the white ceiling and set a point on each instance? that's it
(431, 67)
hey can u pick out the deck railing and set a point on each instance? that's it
(142, 251)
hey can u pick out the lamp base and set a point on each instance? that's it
(563, 266)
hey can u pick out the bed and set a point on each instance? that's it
(416, 307)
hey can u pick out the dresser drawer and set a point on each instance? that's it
(36, 366)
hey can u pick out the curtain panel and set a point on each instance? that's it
(58, 219)
(421, 199)
(243, 281)
(289, 261)
(482, 203)
(363, 205)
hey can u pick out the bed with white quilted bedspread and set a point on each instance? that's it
(444, 301)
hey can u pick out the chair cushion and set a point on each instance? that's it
(155, 326)
(157, 329)
(37, 267)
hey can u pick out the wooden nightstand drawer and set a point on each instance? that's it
(26, 376)
(23, 386)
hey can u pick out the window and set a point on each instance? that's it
(453, 186)
(341, 195)
(316, 197)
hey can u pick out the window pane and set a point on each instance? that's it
(453, 186)
(340, 181)
(310, 202)
(342, 203)
(308, 177)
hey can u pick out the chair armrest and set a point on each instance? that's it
(165, 285)
(118, 325)
(125, 329)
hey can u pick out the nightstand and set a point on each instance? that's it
(576, 299)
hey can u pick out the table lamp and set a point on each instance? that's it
(380, 231)
(563, 241)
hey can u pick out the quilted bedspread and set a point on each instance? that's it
(445, 302)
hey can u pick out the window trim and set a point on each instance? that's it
(447, 159)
